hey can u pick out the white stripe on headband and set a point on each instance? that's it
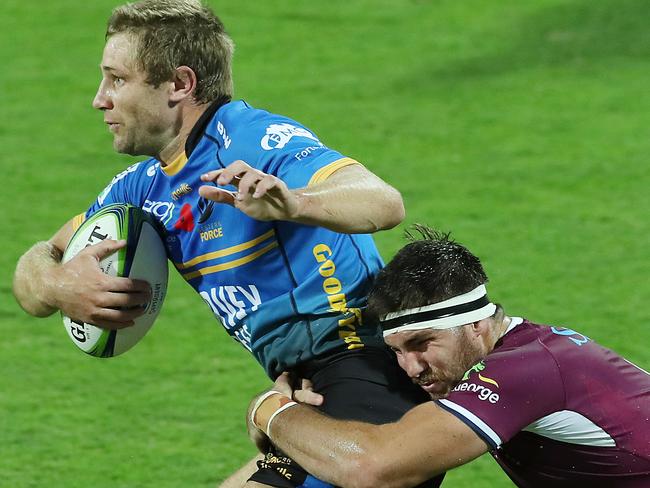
(453, 312)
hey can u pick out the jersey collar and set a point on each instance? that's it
(199, 128)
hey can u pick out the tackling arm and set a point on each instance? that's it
(427, 441)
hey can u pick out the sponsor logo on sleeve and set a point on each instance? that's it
(278, 135)
(469, 383)
(300, 155)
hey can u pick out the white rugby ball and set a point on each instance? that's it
(143, 258)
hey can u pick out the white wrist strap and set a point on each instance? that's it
(259, 402)
(281, 409)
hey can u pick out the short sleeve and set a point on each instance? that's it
(295, 154)
(501, 395)
(125, 186)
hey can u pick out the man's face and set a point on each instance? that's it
(139, 115)
(435, 359)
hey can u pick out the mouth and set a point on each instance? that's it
(112, 126)
(436, 389)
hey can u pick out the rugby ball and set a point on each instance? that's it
(143, 258)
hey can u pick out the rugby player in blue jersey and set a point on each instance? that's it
(268, 224)
(554, 408)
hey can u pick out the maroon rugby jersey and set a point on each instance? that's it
(557, 409)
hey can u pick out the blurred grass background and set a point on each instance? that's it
(522, 127)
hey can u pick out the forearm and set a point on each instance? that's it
(31, 279)
(425, 442)
(334, 451)
(351, 201)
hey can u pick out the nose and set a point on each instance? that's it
(413, 364)
(102, 100)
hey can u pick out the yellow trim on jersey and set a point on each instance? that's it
(176, 165)
(77, 220)
(225, 252)
(231, 264)
(326, 171)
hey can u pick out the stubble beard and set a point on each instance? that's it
(468, 355)
(128, 145)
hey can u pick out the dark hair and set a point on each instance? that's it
(430, 269)
(173, 33)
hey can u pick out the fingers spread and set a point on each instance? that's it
(211, 175)
(229, 175)
(247, 183)
(266, 184)
(217, 194)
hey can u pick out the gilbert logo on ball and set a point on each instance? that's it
(143, 258)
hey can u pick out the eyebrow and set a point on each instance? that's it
(416, 340)
(109, 69)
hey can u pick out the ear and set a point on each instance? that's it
(480, 328)
(183, 84)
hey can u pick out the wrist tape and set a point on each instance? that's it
(267, 407)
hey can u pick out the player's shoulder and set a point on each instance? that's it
(519, 361)
(553, 338)
(133, 177)
(524, 342)
(238, 124)
(563, 347)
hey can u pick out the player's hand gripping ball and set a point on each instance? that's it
(142, 258)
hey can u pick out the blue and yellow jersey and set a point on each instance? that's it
(288, 292)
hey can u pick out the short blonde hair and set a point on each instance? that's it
(172, 33)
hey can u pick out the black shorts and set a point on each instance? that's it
(363, 384)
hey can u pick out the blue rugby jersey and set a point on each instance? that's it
(287, 292)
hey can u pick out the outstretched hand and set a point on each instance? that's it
(84, 293)
(259, 195)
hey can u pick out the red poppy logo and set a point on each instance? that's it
(186, 220)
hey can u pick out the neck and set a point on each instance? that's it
(187, 118)
(500, 329)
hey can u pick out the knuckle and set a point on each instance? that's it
(94, 316)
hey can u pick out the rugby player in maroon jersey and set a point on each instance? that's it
(553, 407)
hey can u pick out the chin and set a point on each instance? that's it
(124, 149)
(118, 147)
(437, 395)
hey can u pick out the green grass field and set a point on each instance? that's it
(520, 126)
